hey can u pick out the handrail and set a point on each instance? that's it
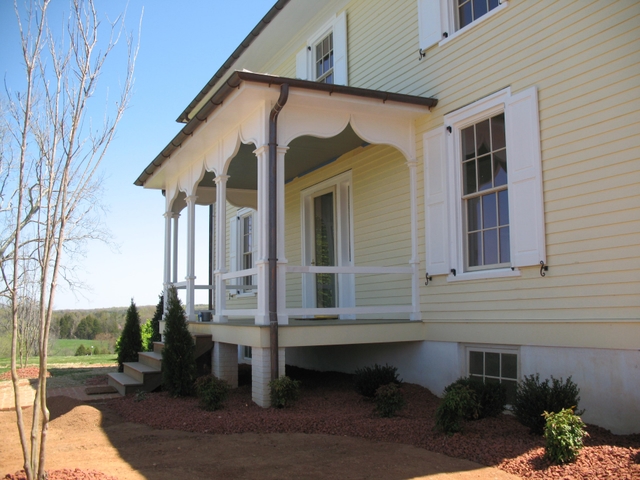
(354, 270)
(239, 273)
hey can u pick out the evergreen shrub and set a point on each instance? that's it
(459, 402)
(130, 341)
(155, 323)
(369, 379)
(534, 397)
(563, 432)
(491, 397)
(81, 351)
(389, 400)
(284, 391)
(178, 362)
(212, 392)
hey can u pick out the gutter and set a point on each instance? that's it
(226, 66)
(273, 229)
(234, 82)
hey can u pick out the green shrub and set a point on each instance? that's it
(146, 332)
(369, 379)
(491, 397)
(563, 432)
(284, 391)
(212, 392)
(178, 362)
(533, 398)
(155, 323)
(389, 400)
(130, 340)
(81, 351)
(458, 403)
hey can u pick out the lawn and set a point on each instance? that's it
(68, 347)
(53, 361)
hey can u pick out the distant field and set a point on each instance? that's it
(5, 362)
(67, 347)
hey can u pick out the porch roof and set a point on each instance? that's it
(237, 78)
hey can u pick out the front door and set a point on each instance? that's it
(324, 249)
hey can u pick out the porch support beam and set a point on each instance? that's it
(221, 247)
(167, 257)
(414, 262)
(191, 257)
(283, 317)
(262, 227)
(174, 275)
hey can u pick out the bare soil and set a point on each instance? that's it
(331, 432)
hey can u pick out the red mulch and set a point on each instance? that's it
(26, 372)
(65, 474)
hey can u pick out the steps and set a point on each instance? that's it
(145, 375)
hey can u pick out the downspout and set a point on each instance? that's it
(273, 228)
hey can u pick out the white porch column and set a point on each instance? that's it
(283, 319)
(414, 262)
(224, 362)
(221, 247)
(261, 374)
(262, 229)
(174, 276)
(166, 280)
(191, 257)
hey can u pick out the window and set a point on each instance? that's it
(495, 366)
(324, 59)
(246, 352)
(483, 189)
(442, 20)
(242, 248)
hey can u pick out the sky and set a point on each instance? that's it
(182, 44)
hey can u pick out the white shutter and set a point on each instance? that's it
(429, 24)
(233, 247)
(302, 64)
(340, 65)
(526, 205)
(436, 208)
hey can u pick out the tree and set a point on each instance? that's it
(155, 321)
(130, 340)
(88, 328)
(65, 326)
(48, 184)
(178, 362)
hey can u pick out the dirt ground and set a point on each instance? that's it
(93, 437)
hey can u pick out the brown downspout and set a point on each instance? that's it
(273, 227)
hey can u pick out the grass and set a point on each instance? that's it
(68, 347)
(53, 361)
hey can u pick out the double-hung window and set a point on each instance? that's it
(442, 20)
(483, 189)
(324, 58)
(494, 365)
(242, 249)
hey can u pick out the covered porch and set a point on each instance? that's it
(237, 155)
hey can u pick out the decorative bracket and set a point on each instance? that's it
(543, 268)
(422, 54)
(428, 278)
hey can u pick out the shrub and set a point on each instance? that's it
(389, 400)
(369, 379)
(458, 403)
(212, 392)
(130, 340)
(81, 351)
(146, 332)
(284, 391)
(155, 323)
(178, 362)
(491, 397)
(533, 398)
(563, 432)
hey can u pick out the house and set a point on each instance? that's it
(448, 186)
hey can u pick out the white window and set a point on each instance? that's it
(494, 365)
(242, 250)
(324, 59)
(483, 189)
(441, 20)
(246, 352)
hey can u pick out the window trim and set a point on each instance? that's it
(451, 20)
(238, 250)
(488, 348)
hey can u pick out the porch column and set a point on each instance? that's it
(221, 247)
(166, 280)
(224, 362)
(415, 259)
(174, 277)
(191, 257)
(283, 319)
(262, 235)
(261, 374)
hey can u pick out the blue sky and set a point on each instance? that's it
(182, 45)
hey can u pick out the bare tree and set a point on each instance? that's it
(55, 150)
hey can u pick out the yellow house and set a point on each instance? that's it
(448, 186)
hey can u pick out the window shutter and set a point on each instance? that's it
(340, 64)
(233, 247)
(526, 205)
(436, 217)
(430, 29)
(302, 64)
